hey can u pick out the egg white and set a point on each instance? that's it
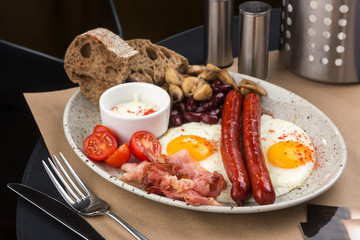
(274, 130)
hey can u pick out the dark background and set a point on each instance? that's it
(49, 27)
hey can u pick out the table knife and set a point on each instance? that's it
(57, 210)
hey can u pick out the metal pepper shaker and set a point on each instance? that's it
(254, 24)
(217, 32)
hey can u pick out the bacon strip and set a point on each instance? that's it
(177, 177)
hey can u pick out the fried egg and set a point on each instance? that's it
(202, 141)
(289, 153)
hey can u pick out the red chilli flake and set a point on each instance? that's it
(149, 111)
(140, 112)
(282, 136)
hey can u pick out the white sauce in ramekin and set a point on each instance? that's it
(135, 108)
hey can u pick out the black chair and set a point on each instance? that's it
(26, 70)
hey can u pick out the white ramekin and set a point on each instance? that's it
(125, 126)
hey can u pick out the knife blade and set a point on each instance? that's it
(57, 210)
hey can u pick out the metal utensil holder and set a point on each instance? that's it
(320, 39)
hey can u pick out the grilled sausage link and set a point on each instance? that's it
(230, 147)
(262, 187)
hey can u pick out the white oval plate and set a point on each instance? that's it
(81, 116)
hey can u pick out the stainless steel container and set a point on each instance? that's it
(254, 25)
(217, 32)
(320, 39)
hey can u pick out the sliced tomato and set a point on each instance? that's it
(141, 140)
(100, 128)
(119, 157)
(99, 145)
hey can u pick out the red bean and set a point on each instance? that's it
(216, 111)
(174, 112)
(213, 102)
(192, 116)
(182, 107)
(225, 88)
(176, 120)
(209, 119)
(176, 106)
(216, 83)
(191, 104)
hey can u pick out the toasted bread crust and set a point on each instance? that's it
(153, 61)
(99, 59)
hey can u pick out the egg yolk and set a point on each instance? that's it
(198, 147)
(288, 154)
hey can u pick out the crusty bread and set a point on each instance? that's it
(152, 62)
(99, 59)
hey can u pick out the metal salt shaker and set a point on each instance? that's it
(254, 24)
(217, 32)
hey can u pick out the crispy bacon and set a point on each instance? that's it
(177, 177)
(135, 172)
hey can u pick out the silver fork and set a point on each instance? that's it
(82, 201)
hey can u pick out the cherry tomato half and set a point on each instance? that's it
(100, 128)
(99, 145)
(141, 140)
(119, 157)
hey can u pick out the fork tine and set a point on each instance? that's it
(90, 205)
(63, 193)
(61, 178)
(77, 179)
(68, 177)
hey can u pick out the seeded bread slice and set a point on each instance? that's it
(152, 62)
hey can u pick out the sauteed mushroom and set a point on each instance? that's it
(247, 86)
(195, 70)
(176, 94)
(225, 77)
(210, 73)
(189, 85)
(203, 91)
(172, 76)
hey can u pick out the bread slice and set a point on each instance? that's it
(99, 59)
(152, 62)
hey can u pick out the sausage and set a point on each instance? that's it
(230, 147)
(262, 187)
